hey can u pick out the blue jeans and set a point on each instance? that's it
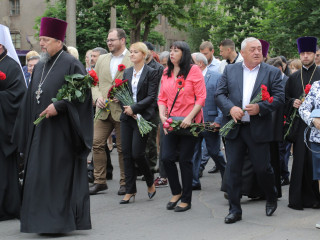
(213, 142)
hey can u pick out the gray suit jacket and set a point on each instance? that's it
(230, 90)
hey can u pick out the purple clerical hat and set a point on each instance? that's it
(265, 47)
(53, 27)
(307, 44)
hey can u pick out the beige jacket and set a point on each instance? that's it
(105, 82)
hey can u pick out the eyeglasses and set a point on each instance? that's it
(112, 40)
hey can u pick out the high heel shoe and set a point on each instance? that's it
(151, 195)
(172, 205)
(128, 201)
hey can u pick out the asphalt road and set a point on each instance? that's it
(149, 219)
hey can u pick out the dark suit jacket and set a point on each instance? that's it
(229, 94)
(146, 92)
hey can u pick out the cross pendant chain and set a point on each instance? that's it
(38, 93)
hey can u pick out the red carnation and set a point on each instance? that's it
(307, 88)
(118, 82)
(265, 95)
(121, 67)
(2, 76)
(270, 100)
(264, 87)
(94, 76)
(110, 92)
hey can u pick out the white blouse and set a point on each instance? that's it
(134, 82)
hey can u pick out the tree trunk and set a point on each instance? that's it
(71, 20)
(135, 32)
(147, 30)
(113, 18)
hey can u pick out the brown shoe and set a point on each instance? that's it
(122, 190)
(95, 188)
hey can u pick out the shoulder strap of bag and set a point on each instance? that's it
(174, 101)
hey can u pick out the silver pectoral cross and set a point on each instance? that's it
(38, 93)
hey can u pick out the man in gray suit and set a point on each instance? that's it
(239, 84)
(211, 113)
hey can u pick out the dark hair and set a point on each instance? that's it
(149, 45)
(228, 43)
(185, 61)
(120, 32)
(276, 62)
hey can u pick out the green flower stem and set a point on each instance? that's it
(39, 119)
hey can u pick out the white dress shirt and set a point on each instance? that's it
(115, 61)
(134, 83)
(204, 72)
(249, 79)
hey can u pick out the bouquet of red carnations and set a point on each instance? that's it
(75, 89)
(121, 91)
(264, 95)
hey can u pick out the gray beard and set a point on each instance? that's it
(44, 57)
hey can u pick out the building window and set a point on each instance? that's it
(14, 7)
(16, 39)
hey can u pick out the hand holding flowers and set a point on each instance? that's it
(253, 109)
(75, 89)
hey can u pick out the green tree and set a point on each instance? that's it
(236, 20)
(141, 15)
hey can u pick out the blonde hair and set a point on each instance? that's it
(295, 63)
(32, 55)
(140, 46)
(73, 51)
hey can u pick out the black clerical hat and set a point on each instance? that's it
(307, 44)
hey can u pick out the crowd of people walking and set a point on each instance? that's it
(270, 102)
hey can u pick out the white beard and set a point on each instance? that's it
(44, 57)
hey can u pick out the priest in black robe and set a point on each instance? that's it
(303, 190)
(12, 89)
(55, 190)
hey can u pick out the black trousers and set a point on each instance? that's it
(172, 143)
(133, 149)
(259, 155)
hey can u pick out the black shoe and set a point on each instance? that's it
(171, 205)
(182, 209)
(285, 181)
(128, 201)
(151, 195)
(213, 170)
(122, 190)
(201, 173)
(233, 217)
(271, 208)
(95, 188)
(196, 187)
(90, 177)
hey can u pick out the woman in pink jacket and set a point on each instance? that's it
(188, 79)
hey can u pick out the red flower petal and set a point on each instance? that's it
(2, 76)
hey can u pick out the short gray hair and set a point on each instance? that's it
(249, 39)
(100, 50)
(200, 58)
(164, 54)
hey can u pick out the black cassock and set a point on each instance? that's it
(55, 191)
(12, 90)
(303, 190)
